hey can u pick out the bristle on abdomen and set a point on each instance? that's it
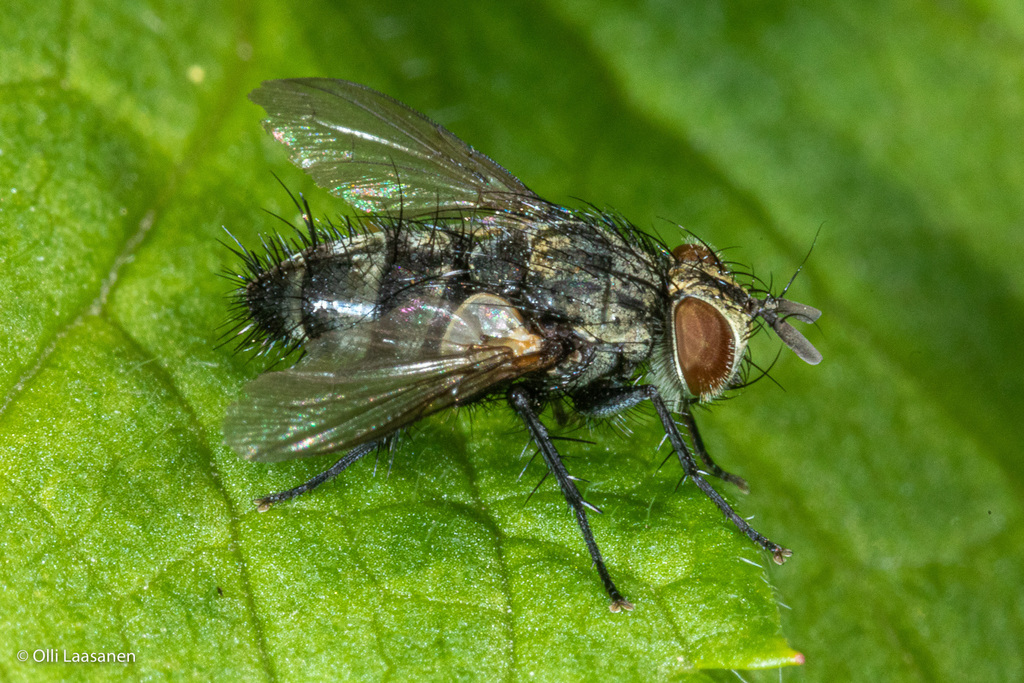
(273, 300)
(295, 291)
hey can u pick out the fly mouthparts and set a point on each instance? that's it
(776, 311)
(791, 309)
(797, 342)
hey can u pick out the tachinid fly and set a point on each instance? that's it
(462, 284)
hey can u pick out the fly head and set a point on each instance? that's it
(711, 317)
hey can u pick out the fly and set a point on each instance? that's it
(462, 284)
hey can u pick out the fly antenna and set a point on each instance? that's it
(804, 262)
(775, 310)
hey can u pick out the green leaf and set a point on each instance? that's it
(892, 469)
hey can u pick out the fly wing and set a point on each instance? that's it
(308, 411)
(368, 381)
(379, 155)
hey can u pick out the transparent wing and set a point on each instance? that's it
(306, 411)
(379, 155)
(371, 380)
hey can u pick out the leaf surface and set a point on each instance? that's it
(892, 469)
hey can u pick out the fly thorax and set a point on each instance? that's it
(708, 324)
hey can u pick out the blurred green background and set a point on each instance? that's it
(893, 469)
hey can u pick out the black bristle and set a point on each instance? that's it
(262, 279)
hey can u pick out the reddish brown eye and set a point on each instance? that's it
(696, 253)
(705, 349)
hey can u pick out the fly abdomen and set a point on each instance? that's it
(293, 297)
(272, 297)
(341, 283)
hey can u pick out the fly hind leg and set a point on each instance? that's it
(263, 504)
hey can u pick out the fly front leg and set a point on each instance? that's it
(698, 447)
(613, 399)
(263, 504)
(520, 401)
(609, 401)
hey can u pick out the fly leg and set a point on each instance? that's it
(263, 504)
(779, 554)
(698, 447)
(520, 401)
(614, 399)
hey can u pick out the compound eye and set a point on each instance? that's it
(695, 253)
(705, 347)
